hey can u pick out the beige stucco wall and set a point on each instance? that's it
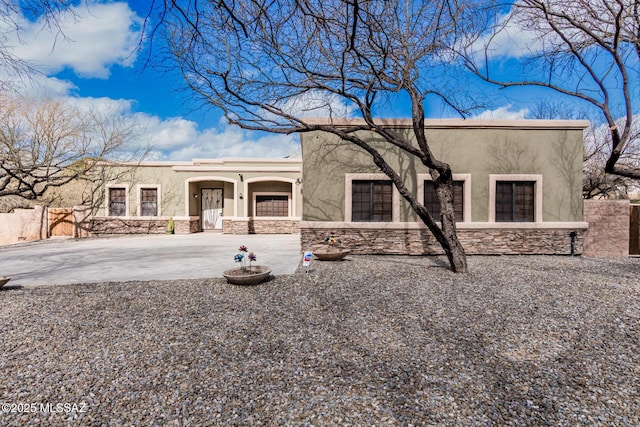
(146, 174)
(23, 225)
(181, 182)
(552, 149)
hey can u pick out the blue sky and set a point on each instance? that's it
(96, 62)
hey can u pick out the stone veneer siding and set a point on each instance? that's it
(608, 233)
(187, 226)
(422, 242)
(260, 226)
(276, 226)
(232, 226)
(125, 225)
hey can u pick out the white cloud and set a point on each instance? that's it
(179, 139)
(503, 113)
(527, 28)
(512, 40)
(92, 38)
(37, 85)
(317, 104)
(96, 36)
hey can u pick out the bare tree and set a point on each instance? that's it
(596, 183)
(585, 49)
(597, 150)
(49, 143)
(255, 60)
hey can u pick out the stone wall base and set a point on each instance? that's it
(187, 226)
(265, 226)
(422, 242)
(232, 226)
(260, 226)
(128, 225)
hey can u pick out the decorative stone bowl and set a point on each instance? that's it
(336, 255)
(3, 281)
(246, 277)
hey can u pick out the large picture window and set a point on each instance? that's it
(148, 202)
(432, 203)
(117, 201)
(272, 205)
(515, 201)
(372, 201)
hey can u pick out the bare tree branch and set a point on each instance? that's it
(47, 12)
(588, 50)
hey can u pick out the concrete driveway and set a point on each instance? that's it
(153, 257)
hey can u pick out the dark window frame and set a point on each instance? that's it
(150, 205)
(515, 201)
(272, 205)
(371, 200)
(117, 203)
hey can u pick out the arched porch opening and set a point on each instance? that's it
(211, 198)
(271, 204)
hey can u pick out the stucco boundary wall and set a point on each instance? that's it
(134, 225)
(417, 240)
(608, 233)
(24, 225)
(82, 221)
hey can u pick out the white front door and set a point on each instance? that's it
(211, 208)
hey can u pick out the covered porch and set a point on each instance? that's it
(246, 205)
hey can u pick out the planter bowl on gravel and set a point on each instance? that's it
(4, 280)
(331, 255)
(246, 276)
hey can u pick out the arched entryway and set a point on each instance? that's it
(211, 198)
(271, 205)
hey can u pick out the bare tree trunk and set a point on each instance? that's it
(450, 242)
(443, 181)
(446, 234)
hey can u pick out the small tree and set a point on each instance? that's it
(257, 61)
(46, 144)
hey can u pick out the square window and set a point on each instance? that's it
(515, 201)
(372, 201)
(272, 205)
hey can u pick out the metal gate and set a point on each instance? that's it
(634, 230)
(211, 208)
(61, 222)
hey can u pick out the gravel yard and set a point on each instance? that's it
(368, 341)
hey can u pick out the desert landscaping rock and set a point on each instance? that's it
(366, 341)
